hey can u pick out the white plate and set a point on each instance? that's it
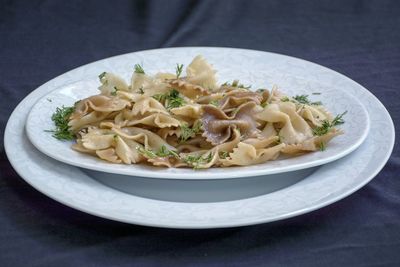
(329, 183)
(255, 68)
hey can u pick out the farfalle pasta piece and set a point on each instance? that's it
(148, 105)
(218, 126)
(127, 150)
(145, 137)
(148, 86)
(246, 154)
(236, 98)
(100, 103)
(87, 120)
(201, 73)
(192, 111)
(159, 120)
(188, 89)
(110, 83)
(312, 144)
(295, 129)
(262, 142)
(108, 155)
(315, 114)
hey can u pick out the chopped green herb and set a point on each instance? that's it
(236, 83)
(338, 119)
(316, 93)
(214, 102)
(223, 154)
(114, 93)
(264, 104)
(174, 100)
(148, 153)
(195, 161)
(139, 69)
(164, 152)
(187, 132)
(328, 125)
(322, 146)
(141, 91)
(303, 99)
(102, 75)
(280, 139)
(179, 69)
(161, 153)
(171, 99)
(61, 119)
(285, 99)
(159, 97)
(261, 90)
(48, 99)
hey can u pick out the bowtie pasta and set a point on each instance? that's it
(172, 120)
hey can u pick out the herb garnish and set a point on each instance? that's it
(285, 99)
(139, 69)
(60, 119)
(179, 69)
(161, 153)
(195, 161)
(171, 99)
(223, 154)
(322, 146)
(102, 75)
(214, 102)
(328, 125)
(236, 83)
(141, 91)
(114, 93)
(187, 132)
(303, 99)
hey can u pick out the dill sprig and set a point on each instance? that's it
(328, 125)
(322, 146)
(141, 91)
(187, 132)
(61, 118)
(114, 92)
(174, 99)
(139, 69)
(303, 99)
(179, 69)
(102, 75)
(236, 83)
(214, 102)
(171, 99)
(223, 154)
(161, 153)
(195, 161)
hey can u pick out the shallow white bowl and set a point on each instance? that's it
(251, 67)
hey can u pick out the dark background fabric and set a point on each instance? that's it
(42, 39)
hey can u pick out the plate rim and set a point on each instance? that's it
(189, 173)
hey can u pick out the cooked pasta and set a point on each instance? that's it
(172, 120)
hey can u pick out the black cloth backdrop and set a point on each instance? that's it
(42, 39)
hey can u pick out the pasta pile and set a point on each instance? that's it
(174, 121)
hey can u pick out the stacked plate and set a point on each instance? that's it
(217, 197)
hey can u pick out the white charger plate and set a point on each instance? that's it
(329, 183)
(255, 68)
